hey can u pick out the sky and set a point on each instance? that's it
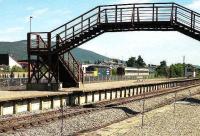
(49, 14)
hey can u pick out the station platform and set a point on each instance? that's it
(23, 94)
(117, 84)
(14, 102)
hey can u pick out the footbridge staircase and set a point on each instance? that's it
(49, 56)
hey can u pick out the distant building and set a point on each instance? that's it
(106, 70)
(84, 66)
(113, 63)
(96, 70)
(130, 71)
(6, 59)
(191, 70)
(23, 63)
(152, 68)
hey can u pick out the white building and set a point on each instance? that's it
(130, 71)
(84, 66)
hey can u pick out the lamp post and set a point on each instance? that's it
(30, 22)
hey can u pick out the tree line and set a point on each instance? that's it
(13, 69)
(162, 70)
(133, 62)
(174, 70)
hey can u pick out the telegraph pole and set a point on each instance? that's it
(183, 66)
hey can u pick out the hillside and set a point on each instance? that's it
(18, 50)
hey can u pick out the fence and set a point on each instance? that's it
(13, 83)
(20, 83)
(97, 79)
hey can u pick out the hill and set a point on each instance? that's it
(19, 52)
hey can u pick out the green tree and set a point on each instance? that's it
(172, 71)
(140, 62)
(198, 73)
(115, 60)
(120, 71)
(17, 69)
(114, 72)
(6, 68)
(177, 70)
(162, 70)
(86, 62)
(131, 62)
(163, 63)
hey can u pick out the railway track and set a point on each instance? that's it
(17, 123)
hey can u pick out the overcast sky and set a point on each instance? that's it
(49, 14)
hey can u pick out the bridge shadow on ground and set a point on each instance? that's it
(128, 111)
(191, 101)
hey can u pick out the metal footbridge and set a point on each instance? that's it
(49, 54)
